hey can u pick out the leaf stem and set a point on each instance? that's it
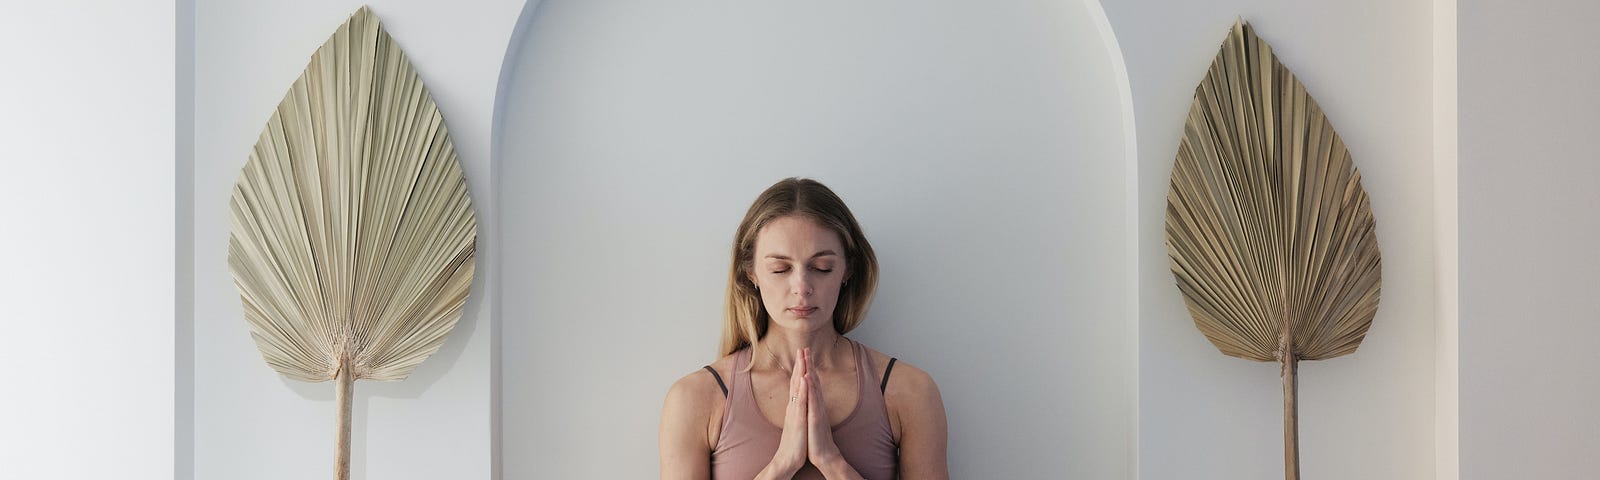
(346, 385)
(1291, 409)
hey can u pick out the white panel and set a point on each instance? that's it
(1447, 384)
(86, 221)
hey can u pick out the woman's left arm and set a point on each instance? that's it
(914, 399)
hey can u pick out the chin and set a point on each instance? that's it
(806, 323)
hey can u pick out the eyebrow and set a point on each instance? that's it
(823, 253)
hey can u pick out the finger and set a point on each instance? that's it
(803, 398)
(814, 392)
(811, 413)
(814, 379)
(796, 417)
(797, 409)
(812, 397)
(800, 388)
(795, 381)
(800, 361)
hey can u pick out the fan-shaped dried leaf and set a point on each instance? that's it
(352, 232)
(1270, 235)
(1268, 229)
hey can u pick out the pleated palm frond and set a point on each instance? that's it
(1270, 235)
(352, 236)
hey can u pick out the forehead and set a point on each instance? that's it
(796, 237)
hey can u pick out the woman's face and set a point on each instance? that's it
(799, 266)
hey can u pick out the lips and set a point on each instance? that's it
(802, 311)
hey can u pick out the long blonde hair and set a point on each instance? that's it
(744, 320)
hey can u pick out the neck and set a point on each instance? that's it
(783, 347)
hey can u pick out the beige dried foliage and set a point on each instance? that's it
(353, 236)
(1270, 235)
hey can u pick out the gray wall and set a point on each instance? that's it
(980, 145)
(1529, 113)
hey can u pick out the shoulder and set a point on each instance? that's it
(916, 418)
(700, 387)
(906, 381)
(693, 401)
(905, 376)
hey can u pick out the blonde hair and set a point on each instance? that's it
(744, 319)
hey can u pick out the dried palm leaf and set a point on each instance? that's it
(352, 236)
(1270, 235)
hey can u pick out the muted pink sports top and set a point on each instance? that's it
(748, 440)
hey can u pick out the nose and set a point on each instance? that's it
(800, 284)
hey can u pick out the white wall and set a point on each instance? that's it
(937, 88)
(86, 224)
(1368, 415)
(1446, 241)
(249, 422)
(980, 145)
(1529, 111)
(183, 266)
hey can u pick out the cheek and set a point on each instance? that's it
(771, 292)
(832, 291)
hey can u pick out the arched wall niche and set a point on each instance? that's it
(985, 149)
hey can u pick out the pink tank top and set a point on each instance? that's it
(748, 440)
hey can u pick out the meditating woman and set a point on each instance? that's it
(791, 396)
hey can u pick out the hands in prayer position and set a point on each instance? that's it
(807, 433)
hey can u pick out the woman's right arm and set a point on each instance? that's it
(685, 428)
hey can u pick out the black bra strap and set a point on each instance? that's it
(725, 386)
(885, 386)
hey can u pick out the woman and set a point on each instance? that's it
(792, 397)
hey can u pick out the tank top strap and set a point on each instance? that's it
(865, 371)
(866, 435)
(740, 396)
(863, 365)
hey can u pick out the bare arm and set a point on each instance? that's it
(914, 399)
(685, 437)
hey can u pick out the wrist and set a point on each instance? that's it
(833, 467)
(781, 469)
